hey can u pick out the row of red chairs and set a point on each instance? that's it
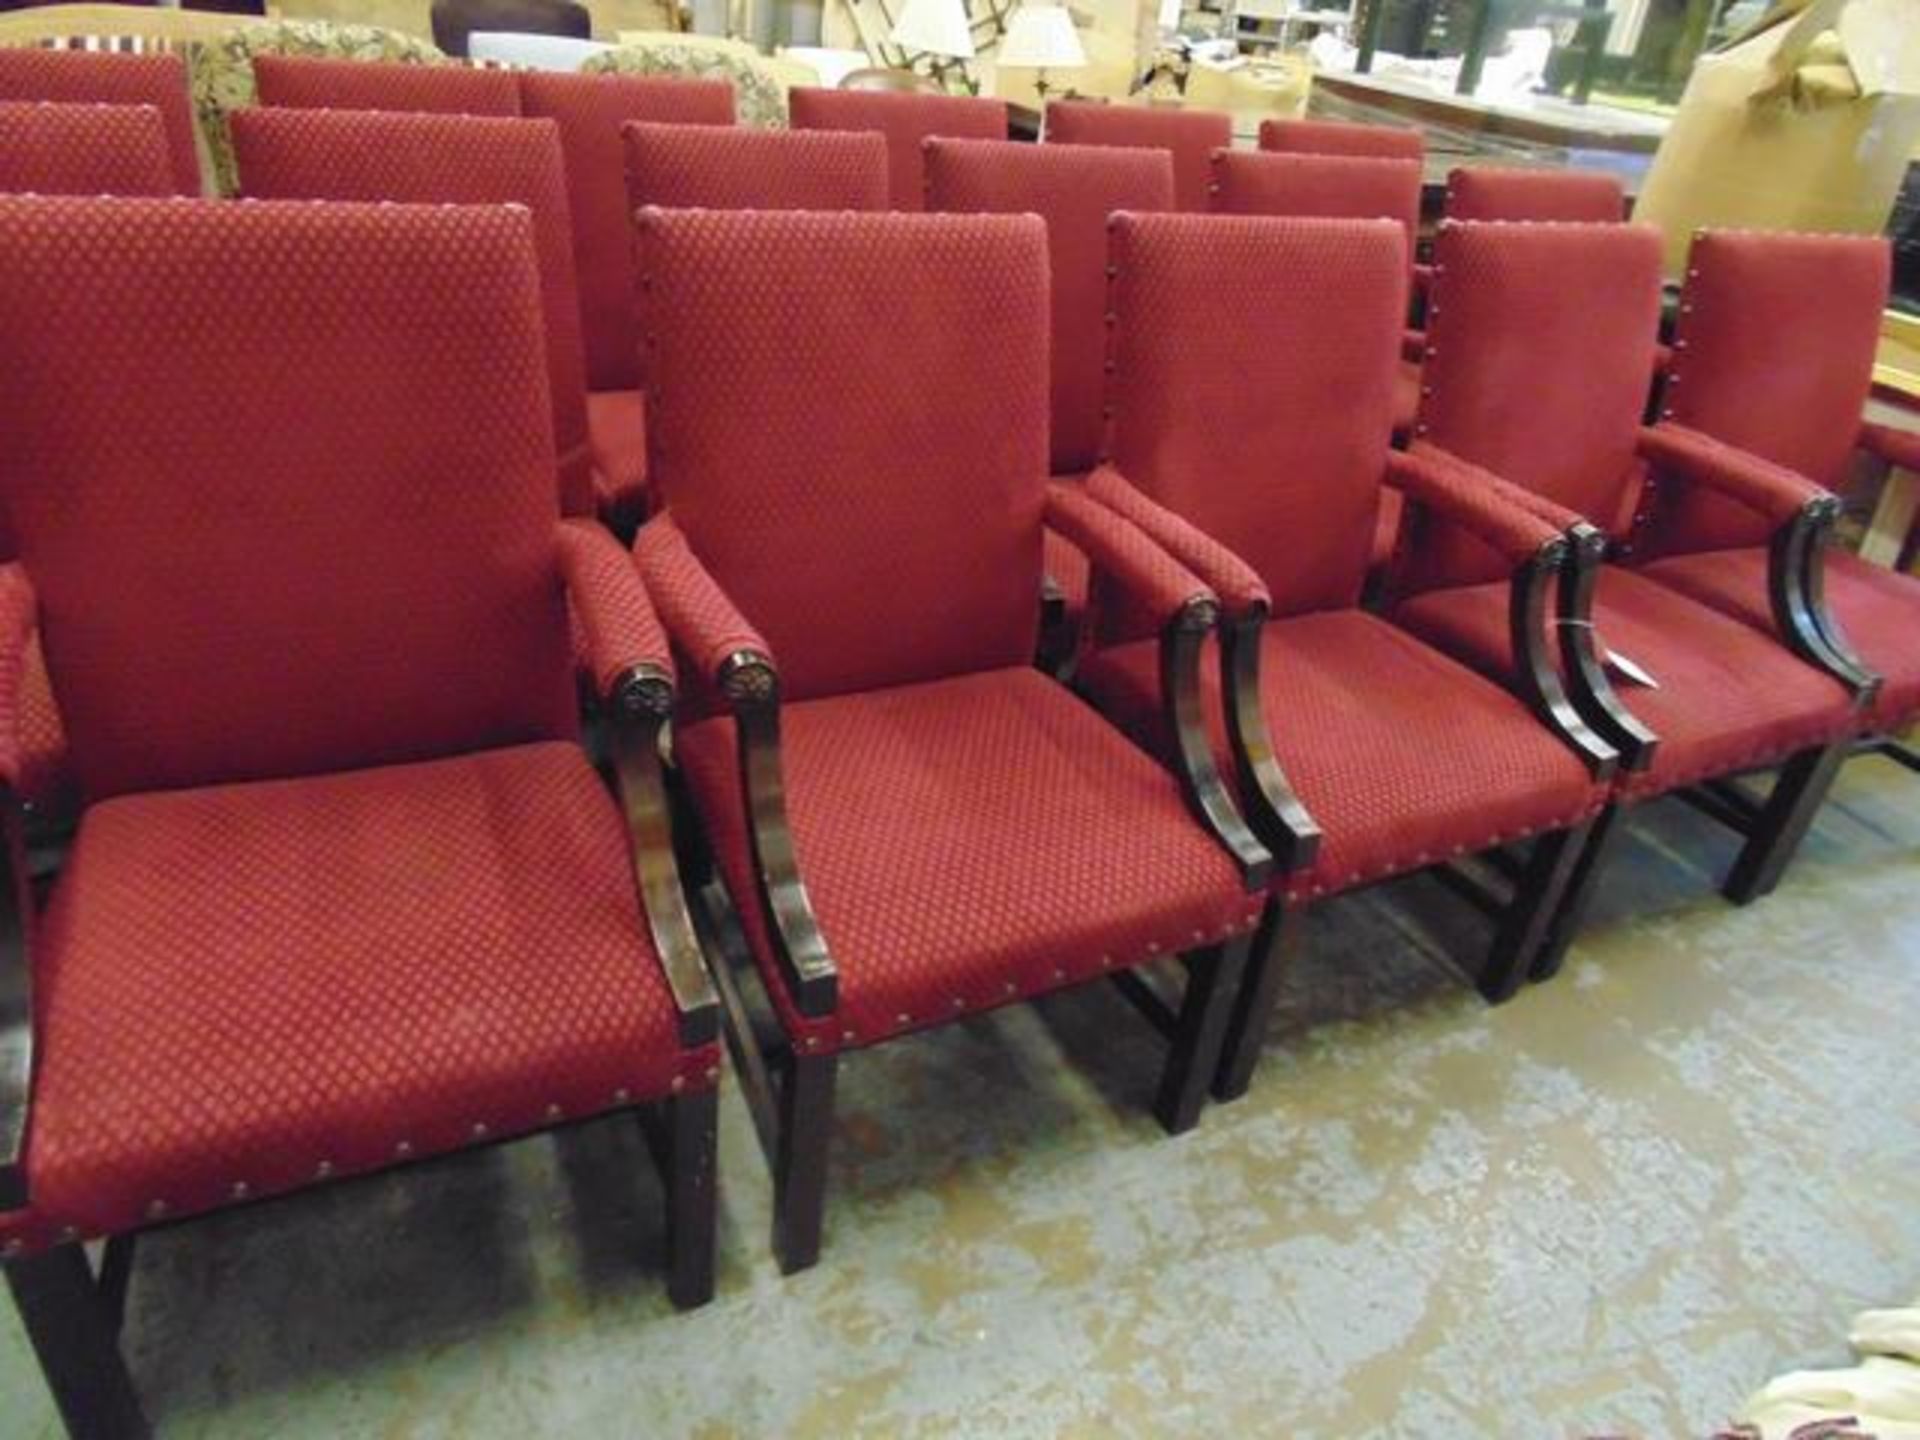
(317, 676)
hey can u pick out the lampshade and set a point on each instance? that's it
(1041, 37)
(934, 27)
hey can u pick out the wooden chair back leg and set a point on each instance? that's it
(73, 1333)
(1567, 920)
(692, 1134)
(1783, 820)
(1524, 926)
(800, 1160)
(1214, 978)
(1246, 1030)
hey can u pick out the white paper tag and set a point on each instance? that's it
(1628, 670)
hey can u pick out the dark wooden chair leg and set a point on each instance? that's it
(1523, 928)
(1246, 1033)
(1199, 1031)
(800, 1166)
(1795, 799)
(692, 1128)
(73, 1335)
(1567, 920)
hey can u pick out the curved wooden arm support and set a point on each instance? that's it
(16, 1007)
(752, 689)
(1796, 593)
(1279, 817)
(638, 705)
(1593, 691)
(1182, 641)
(1530, 598)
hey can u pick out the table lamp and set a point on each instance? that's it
(1041, 38)
(934, 27)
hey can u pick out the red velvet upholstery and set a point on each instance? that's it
(968, 842)
(376, 556)
(1074, 188)
(33, 742)
(1892, 444)
(306, 82)
(894, 534)
(905, 119)
(1878, 611)
(1543, 340)
(1403, 757)
(619, 629)
(1156, 579)
(1730, 697)
(1190, 136)
(1354, 187)
(703, 620)
(1734, 378)
(1275, 450)
(89, 77)
(1494, 192)
(443, 159)
(1338, 137)
(735, 167)
(1237, 583)
(617, 441)
(590, 110)
(71, 149)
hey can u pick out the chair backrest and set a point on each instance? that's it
(443, 160)
(878, 521)
(90, 77)
(310, 82)
(1343, 137)
(455, 20)
(590, 109)
(734, 167)
(906, 120)
(1774, 353)
(1500, 192)
(1263, 417)
(319, 536)
(1190, 136)
(1541, 343)
(1337, 187)
(54, 149)
(1074, 188)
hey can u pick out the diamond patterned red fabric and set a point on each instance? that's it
(1878, 611)
(617, 450)
(90, 77)
(618, 628)
(590, 110)
(371, 583)
(449, 160)
(968, 842)
(1074, 188)
(1285, 469)
(1797, 405)
(1352, 187)
(905, 120)
(306, 82)
(1730, 698)
(920, 487)
(734, 167)
(74, 149)
(1337, 137)
(1189, 136)
(1541, 344)
(1497, 192)
(456, 953)
(699, 614)
(1403, 757)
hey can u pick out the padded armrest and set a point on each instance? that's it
(1895, 446)
(1473, 498)
(1773, 490)
(19, 617)
(1560, 517)
(1125, 554)
(699, 617)
(622, 632)
(1237, 584)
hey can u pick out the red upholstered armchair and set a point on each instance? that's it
(913, 823)
(347, 891)
(1359, 752)
(1190, 136)
(443, 160)
(1074, 188)
(1544, 335)
(590, 109)
(88, 77)
(305, 82)
(905, 119)
(1340, 137)
(1496, 192)
(81, 149)
(1798, 407)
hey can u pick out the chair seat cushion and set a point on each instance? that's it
(617, 438)
(968, 842)
(1729, 697)
(1406, 397)
(242, 989)
(1402, 757)
(1878, 611)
